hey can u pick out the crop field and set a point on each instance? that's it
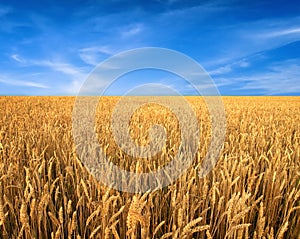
(252, 192)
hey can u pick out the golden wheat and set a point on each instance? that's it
(253, 192)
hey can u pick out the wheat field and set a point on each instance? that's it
(253, 192)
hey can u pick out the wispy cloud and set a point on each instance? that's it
(94, 55)
(221, 70)
(73, 76)
(283, 32)
(270, 33)
(58, 66)
(131, 30)
(76, 76)
(229, 67)
(65, 68)
(279, 78)
(245, 39)
(204, 9)
(24, 83)
(17, 58)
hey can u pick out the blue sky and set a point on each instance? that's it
(248, 47)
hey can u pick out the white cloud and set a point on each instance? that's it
(60, 67)
(132, 30)
(252, 38)
(14, 82)
(71, 84)
(244, 63)
(94, 55)
(221, 70)
(17, 58)
(282, 32)
(76, 76)
(268, 34)
(229, 67)
(281, 78)
(102, 49)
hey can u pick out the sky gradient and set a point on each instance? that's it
(247, 47)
